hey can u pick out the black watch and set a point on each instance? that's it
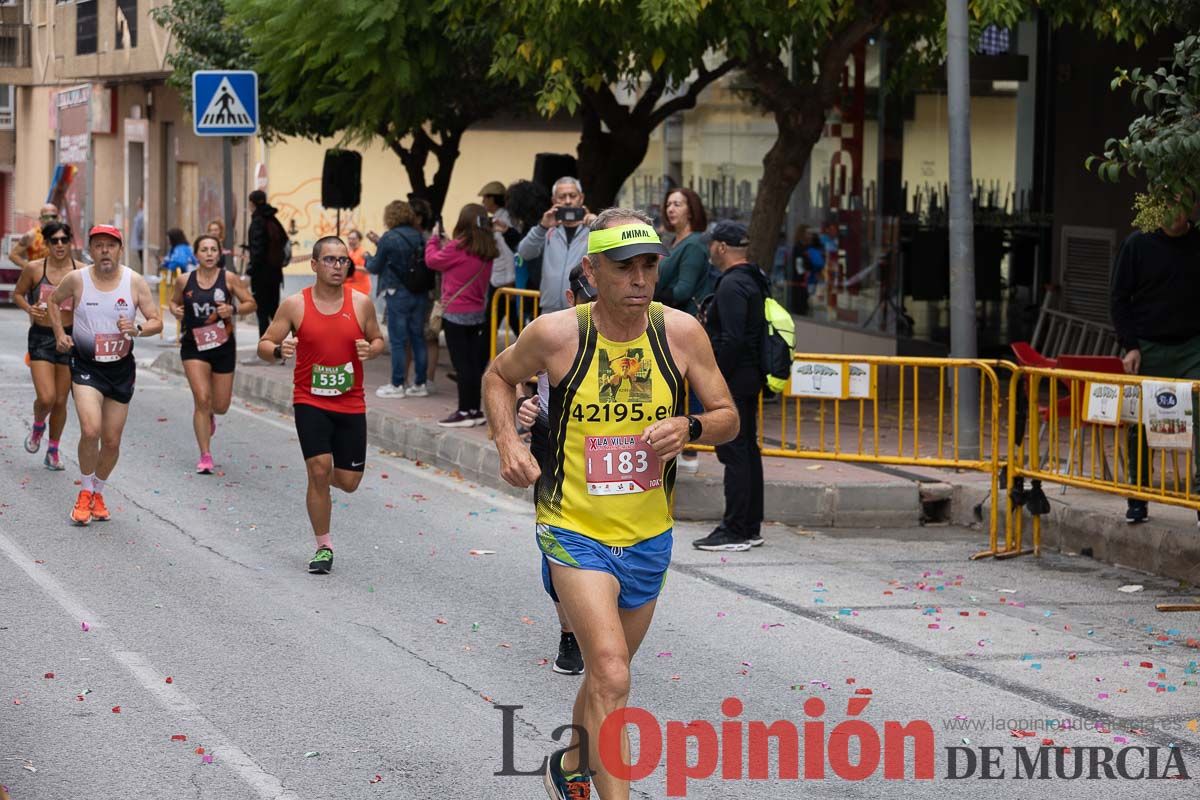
(278, 352)
(695, 429)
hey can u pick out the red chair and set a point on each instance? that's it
(1027, 356)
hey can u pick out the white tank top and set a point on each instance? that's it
(97, 337)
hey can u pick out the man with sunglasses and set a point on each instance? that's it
(32, 246)
(330, 329)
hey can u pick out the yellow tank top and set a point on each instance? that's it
(598, 478)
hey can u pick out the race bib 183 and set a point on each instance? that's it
(332, 381)
(620, 465)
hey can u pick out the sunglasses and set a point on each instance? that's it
(335, 261)
(59, 240)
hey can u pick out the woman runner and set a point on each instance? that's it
(51, 369)
(203, 303)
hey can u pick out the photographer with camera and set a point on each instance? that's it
(560, 239)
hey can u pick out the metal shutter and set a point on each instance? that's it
(1087, 258)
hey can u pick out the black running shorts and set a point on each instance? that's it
(114, 381)
(324, 432)
(222, 359)
(42, 347)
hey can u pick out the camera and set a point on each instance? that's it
(483, 222)
(569, 214)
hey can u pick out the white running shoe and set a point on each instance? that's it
(419, 390)
(387, 390)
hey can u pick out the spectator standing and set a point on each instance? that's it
(493, 197)
(138, 252)
(358, 278)
(180, 259)
(267, 244)
(394, 255)
(683, 275)
(425, 223)
(216, 229)
(466, 264)
(735, 323)
(1155, 294)
(560, 240)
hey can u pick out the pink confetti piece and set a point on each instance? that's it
(665, 654)
(721, 614)
(1102, 696)
(207, 759)
(1120, 740)
(85, 627)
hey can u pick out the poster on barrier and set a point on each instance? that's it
(1131, 394)
(826, 380)
(862, 381)
(1102, 406)
(1167, 414)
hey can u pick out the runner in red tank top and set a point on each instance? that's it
(335, 331)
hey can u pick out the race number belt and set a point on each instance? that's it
(620, 465)
(332, 381)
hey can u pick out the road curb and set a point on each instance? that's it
(861, 505)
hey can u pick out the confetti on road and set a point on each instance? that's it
(1130, 588)
(85, 627)
(474, 552)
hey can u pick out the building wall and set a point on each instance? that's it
(294, 178)
(35, 148)
(993, 141)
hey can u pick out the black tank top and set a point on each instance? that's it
(200, 305)
(34, 295)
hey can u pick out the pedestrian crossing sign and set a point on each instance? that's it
(225, 102)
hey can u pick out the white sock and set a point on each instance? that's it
(98, 486)
(86, 481)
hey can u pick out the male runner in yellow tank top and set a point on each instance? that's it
(617, 422)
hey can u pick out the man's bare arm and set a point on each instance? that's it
(522, 360)
(370, 325)
(279, 332)
(67, 287)
(19, 255)
(147, 303)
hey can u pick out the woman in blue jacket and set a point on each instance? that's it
(180, 259)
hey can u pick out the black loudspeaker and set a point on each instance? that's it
(549, 167)
(341, 179)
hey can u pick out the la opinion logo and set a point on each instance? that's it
(1166, 399)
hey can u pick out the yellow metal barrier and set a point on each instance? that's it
(849, 408)
(511, 297)
(1075, 434)
(166, 290)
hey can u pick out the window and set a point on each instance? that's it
(6, 107)
(85, 27)
(127, 24)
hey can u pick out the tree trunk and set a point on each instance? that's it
(783, 167)
(415, 156)
(608, 158)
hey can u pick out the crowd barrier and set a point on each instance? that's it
(1071, 428)
(511, 310)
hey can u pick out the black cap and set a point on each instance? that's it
(734, 234)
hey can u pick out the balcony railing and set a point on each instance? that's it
(14, 44)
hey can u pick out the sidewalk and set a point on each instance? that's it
(797, 492)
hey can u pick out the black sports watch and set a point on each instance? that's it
(695, 429)
(278, 352)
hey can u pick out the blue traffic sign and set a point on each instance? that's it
(225, 102)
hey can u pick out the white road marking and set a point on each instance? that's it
(169, 696)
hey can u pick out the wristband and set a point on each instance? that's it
(278, 352)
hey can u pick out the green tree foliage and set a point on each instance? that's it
(624, 66)
(204, 38)
(1163, 145)
(616, 60)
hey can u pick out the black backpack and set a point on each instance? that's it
(417, 278)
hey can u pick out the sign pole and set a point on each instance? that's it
(227, 166)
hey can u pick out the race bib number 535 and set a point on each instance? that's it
(620, 465)
(332, 381)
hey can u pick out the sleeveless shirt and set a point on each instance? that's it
(328, 374)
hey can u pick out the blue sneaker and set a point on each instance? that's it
(565, 787)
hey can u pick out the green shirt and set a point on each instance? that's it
(683, 275)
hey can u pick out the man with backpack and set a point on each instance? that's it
(270, 250)
(734, 318)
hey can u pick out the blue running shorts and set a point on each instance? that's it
(641, 569)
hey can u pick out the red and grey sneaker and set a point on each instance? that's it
(33, 442)
(53, 462)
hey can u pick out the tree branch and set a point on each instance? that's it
(606, 106)
(688, 99)
(645, 104)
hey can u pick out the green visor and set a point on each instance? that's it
(626, 241)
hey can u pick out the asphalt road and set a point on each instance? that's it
(378, 681)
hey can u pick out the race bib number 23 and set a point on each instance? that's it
(332, 381)
(620, 465)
